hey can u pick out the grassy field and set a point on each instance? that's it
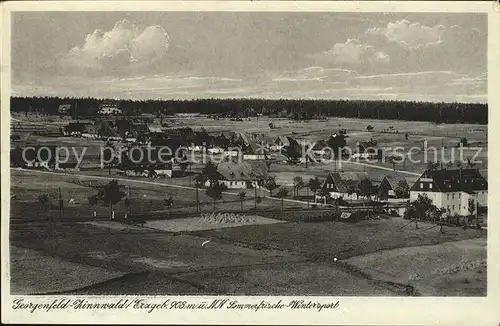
(164, 263)
(146, 198)
(448, 269)
(285, 258)
(328, 240)
(35, 272)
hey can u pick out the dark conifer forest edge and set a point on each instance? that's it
(438, 112)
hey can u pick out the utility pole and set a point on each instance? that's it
(255, 196)
(197, 199)
(129, 201)
(60, 205)
(307, 194)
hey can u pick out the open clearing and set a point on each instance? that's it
(429, 268)
(34, 272)
(147, 196)
(328, 240)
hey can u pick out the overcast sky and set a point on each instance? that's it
(178, 55)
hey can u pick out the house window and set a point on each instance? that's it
(430, 185)
(421, 185)
(458, 195)
(448, 207)
(448, 197)
(453, 207)
(452, 196)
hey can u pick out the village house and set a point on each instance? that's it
(34, 156)
(75, 128)
(162, 164)
(235, 174)
(284, 141)
(64, 109)
(242, 139)
(109, 109)
(452, 189)
(368, 150)
(389, 185)
(90, 131)
(345, 185)
(254, 151)
(215, 150)
(171, 170)
(261, 139)
(107, 129)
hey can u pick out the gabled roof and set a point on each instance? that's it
(395, 179)
(254, 148)
(346, 180)
(286, 141)
(231, 169)
(228, 134)
(261, 138)
(244, 137)
(466, 180)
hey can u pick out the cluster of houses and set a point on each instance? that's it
(450, 189)
(244, 161)
(103, 110)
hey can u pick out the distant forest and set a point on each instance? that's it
(242, 108)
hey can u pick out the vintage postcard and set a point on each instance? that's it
(198, 162)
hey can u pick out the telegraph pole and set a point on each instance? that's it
(255, 196)
(197, 199)
(129, 201)
(60, 204)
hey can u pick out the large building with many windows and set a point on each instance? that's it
(452, 189)
(109, 109)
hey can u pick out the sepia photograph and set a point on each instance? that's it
(247, 153)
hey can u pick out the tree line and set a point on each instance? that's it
(293, 109)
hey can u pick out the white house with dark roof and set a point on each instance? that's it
(236, 174)
(452, 189)
(109, 109)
